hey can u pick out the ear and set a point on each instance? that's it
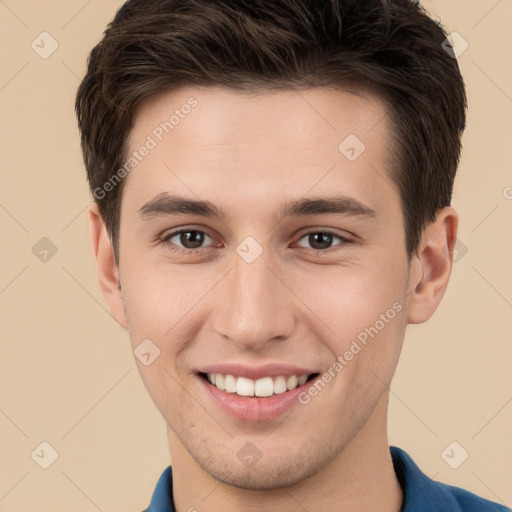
(431, 266)
(106, 267)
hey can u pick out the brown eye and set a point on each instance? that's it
(186, 239)
(322, 240)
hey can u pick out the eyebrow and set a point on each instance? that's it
(165, 204)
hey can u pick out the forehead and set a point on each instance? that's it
(294, 140)
(296, 115)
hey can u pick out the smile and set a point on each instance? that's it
(263, 387)
(250, 393)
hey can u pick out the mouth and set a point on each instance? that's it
(256, 388)
(255, 393)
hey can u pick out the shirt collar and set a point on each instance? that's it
(421, 493)
(161, 501)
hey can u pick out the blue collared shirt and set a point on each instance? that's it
(421, 493)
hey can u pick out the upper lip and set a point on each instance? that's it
(256, 372)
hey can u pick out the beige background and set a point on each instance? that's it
(67, 374)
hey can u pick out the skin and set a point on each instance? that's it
(248, 153)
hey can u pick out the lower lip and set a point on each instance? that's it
(255, 408)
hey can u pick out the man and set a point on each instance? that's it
(272, 184)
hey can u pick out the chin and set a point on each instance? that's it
(280, 471)
(262, 479)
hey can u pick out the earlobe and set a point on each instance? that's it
(431, 266)
(106, 267)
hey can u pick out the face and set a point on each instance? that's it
(256, 252)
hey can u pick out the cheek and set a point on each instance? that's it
(350, 299)
(161, 300)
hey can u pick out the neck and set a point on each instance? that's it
(360, 478)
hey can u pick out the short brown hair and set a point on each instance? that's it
(391, 46)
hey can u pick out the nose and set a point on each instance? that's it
(255, 305)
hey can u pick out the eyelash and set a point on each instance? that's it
(181, 250)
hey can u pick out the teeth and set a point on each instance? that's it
(244, 387)
(279, 385)
(292, 382)
(302, 379)
(230, 384)
(219, 380)
(265, 386)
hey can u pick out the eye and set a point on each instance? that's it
(322, 240)
(185, 240)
